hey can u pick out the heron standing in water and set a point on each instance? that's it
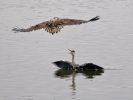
(72, 65)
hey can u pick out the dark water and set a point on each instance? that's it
(26, 72)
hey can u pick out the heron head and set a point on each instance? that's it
(72, 52)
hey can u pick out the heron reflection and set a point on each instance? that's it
(90, 74)
(62, 73)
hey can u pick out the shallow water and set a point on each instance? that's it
(26, 72)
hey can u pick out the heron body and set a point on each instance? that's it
(72, 65)
(54, 25)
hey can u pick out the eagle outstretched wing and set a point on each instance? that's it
(47, 25)
(54, 25)
(77, 22)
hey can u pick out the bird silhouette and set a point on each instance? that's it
(54, 25)
(72, 65)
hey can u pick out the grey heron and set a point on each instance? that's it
(54, 25)
(72, 65)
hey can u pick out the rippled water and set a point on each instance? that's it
(26, 72)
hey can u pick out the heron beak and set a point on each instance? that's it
(69, 49)
(69, 52)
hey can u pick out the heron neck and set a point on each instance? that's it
(73, 63)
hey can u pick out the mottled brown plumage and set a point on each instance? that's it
(54, 25)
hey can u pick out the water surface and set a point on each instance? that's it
(26, 72)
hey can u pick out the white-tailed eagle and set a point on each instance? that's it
(54, 25)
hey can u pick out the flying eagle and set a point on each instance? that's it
(54, 25)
